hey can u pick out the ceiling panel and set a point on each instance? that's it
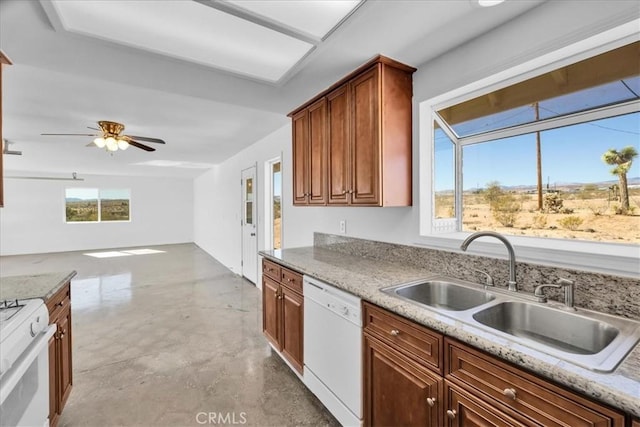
(314, 17)
(186, 30)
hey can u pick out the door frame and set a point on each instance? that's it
(256, 221)
(268, 205)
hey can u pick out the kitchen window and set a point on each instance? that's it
(547, 156)
(97, 205)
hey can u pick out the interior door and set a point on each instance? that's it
(249, 229)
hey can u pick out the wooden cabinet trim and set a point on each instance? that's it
(415, 340)
(537, 400)
(292, 327)
(469, 411)
(378, 59)
(60, 352)
(283, 313)
(291, 280)
(385, 403)
(271, 269)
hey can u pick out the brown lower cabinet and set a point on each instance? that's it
(283, 311)
(60, 360)
(404, 385)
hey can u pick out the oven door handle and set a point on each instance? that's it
(20, 366)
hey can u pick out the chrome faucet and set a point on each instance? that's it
(561, 283)
(513, 286)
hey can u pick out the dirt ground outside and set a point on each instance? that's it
(592, 216)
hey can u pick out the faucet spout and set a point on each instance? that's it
(513, 285)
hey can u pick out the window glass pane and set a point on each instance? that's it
(81, 204)
(583, 100)
(248, 201)
(114, 205)
(277, 208)
(583, 197)
(444, 175)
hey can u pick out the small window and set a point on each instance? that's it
(97, 205)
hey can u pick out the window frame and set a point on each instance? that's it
(99, 198)
(610, 258)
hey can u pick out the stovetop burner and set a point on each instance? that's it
(8, 308)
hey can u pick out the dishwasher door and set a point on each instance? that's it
(333, 346)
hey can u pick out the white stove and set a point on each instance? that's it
(24, 362)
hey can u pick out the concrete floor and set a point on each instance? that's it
(171, 339)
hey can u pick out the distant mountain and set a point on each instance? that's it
(632, 182)
(75, 199)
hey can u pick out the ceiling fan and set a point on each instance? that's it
(110, 137)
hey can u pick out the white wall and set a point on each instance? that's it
(32, 220)
(217, 194)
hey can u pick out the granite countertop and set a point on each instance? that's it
(364, 277)
(31, 286)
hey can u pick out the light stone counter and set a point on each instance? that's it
(364, 277)
(32, 286)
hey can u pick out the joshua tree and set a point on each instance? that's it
(622, 161)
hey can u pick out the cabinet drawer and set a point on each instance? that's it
(271, 269)
(291, 280)
(404, 335)
(523, 395)
(58, 302)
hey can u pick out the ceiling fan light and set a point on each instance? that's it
(123, 144)
(489, 3)
(112, 144)
(100, 142)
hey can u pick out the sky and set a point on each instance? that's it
(92, 194)
(569, 154)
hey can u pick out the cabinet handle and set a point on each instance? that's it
(510, 393)
(451, 413)
(289, 280)
(395, 332)
(431, 401)
(61, 303)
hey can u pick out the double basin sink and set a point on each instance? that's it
(592, 340)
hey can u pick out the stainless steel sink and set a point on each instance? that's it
(441, 294)
(589, 339)
(554, 328)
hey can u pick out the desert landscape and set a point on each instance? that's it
(586, 212)
(87, 210)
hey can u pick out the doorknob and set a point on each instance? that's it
(253, 234)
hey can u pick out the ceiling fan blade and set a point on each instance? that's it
(141, 146)
(68, 134)
(146, 139)
(91, 144)
(89, 127)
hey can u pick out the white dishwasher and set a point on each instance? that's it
(333, 349)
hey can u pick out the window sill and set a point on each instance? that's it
(597, 257)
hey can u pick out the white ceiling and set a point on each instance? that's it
(64, 81)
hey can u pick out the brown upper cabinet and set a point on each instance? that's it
(3, 60)
(352, 143)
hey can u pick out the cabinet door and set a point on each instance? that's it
(317, 186)
(292, 327)
(397, 390)
(270, 315)
(54, 395)
(339, 182)
(365, 138)
(463, 410)
(65, 363)
(300, 157)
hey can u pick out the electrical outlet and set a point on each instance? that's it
(343, 226)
